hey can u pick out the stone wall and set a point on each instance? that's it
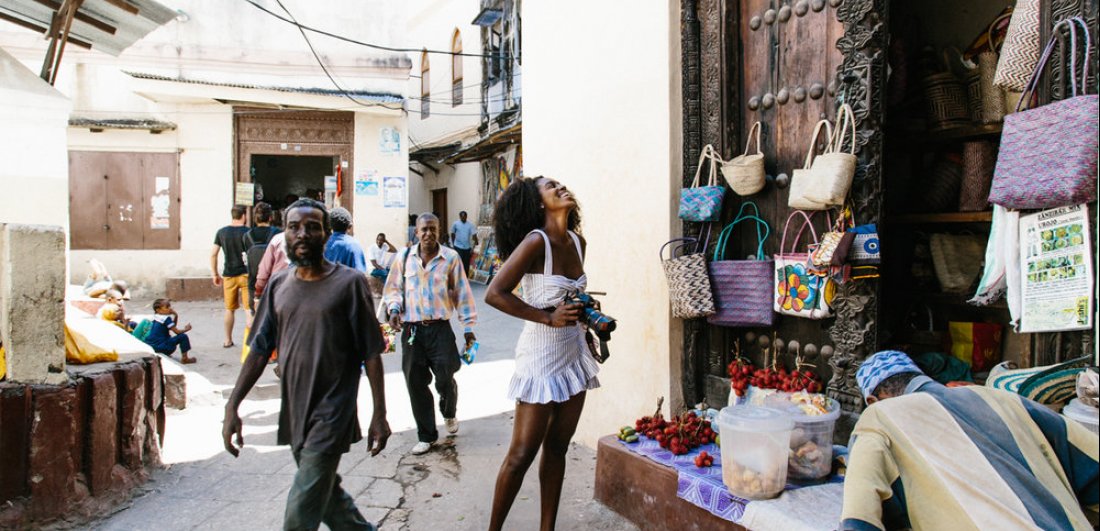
(71, 452)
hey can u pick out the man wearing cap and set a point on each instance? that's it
(925, 456)
(341, 247)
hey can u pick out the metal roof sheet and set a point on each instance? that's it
(375, 97)
(109, 26)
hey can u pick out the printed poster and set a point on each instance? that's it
(160, 202)
(1057, 270)
(389, 140)
(394, 192)
(367, 183)
(245, 194)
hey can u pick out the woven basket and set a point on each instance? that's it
(993, 97)
(979, 158)
(946, 101)
(973, 81)
(745, 173)
(941, 191)
(835, 169)
(802, 179)
(688, 283)
(743, 288)
(1020, 52)
(957, 259)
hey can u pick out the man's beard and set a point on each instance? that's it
(311, 259)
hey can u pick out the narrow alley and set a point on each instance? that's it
(203, 487)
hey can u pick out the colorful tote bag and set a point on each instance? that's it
(703, 203)
(1048, 154)
(799, 291)
(742, 288)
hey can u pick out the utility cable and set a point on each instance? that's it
(367, 44)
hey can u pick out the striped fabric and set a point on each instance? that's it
(968, 458)
(432, 292)
(552, 364)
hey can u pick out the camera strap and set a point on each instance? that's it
(600, 353)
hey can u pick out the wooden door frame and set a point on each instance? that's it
(711, 60)
(303, 133)
(443, 226)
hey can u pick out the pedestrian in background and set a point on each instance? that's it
(425, 287)
(256, 241)
(341, 247)
(229, 241)
(536, 222)
(380, 265)
(321, 318)
(464, 239)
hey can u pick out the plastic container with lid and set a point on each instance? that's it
(811, 449)
(1077, 410)
(755, 442)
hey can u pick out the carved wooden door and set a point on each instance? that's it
(785, 63)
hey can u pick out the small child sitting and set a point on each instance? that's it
(114, 312)
(164, 321)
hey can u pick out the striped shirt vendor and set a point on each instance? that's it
(925, 456)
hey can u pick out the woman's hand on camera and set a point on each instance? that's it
(565, 315)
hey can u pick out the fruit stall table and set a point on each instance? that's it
(656, 490)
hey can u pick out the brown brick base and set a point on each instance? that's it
(71, 452)
(192, 289)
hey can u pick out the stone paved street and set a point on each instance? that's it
(203, 487)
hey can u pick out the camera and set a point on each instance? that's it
(597, 321)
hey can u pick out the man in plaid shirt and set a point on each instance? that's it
(426, 286)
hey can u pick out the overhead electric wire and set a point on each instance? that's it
(322, 63)
(367, 44)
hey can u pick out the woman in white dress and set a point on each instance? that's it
(536, 223)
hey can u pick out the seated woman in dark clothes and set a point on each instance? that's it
(163, 326)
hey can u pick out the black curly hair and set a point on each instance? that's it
(519, 211)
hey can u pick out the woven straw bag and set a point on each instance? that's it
(688, 283)
(835, 169)
(703, 203)
(743, 288)
(745, 173)
(1048, 155)
(803, 179)
(957, 259)
(1020, 52)
(979, 156)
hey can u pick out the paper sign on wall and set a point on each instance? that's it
(367, 183)
(394, 192)
(245, 194)
(389, 140)
(160, 202)
(1057, 270)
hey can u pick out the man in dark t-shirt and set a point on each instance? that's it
(234, 276)
(320, 317)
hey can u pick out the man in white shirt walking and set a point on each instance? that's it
(380, 264)
(464, 238)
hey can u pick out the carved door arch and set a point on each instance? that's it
(317, 133)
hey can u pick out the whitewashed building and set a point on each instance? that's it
(162, 137)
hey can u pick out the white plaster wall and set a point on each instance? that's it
(617, 147)
(371, 216)
(463, 185)
(204, 140)
(34, 173)
(431, 24)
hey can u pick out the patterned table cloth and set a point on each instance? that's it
(703, 487)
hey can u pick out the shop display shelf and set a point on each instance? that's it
(942, 217)
(952, 299)
(951, 135)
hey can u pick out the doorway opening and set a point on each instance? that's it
(285, 178)
(439, 208)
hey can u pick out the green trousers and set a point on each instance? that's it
(316, 496)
